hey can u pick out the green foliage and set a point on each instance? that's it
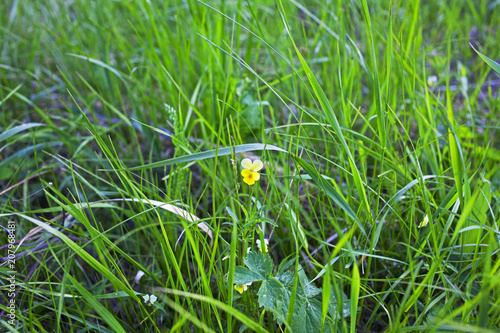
(275, 291)
(492, 63)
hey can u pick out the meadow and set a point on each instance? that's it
(250, 166)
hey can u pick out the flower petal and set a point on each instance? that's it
(146, 298)
(246, 173)
(256, 175)
(246, 163)
(249, 180)
(257, 165)
(424, 222)
(153, 299)
(266, 243)
(240, 289)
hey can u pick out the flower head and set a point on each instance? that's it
(424, 222)
(242, 288)
(149, 299)
(432, 80)
(263, 248)
(250, 172)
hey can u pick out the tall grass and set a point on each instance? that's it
(124, 124)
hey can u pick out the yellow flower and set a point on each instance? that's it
(249, 173)
(242, 288)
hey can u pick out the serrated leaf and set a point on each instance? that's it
(285, 278)
(308, 318)
(270, 294)
(259, 263)
(307, 310)
(243, 275)
(308, 288)
(333, 307)
(282, 306)
(299, 317)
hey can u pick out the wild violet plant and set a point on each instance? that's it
(273, 287)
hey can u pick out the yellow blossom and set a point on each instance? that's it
(242, 288)
(250, 172)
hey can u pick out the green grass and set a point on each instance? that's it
(123, 125)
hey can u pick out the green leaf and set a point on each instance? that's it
(492, 63)
(24, 153)
(6, 173)
(12, 92)
(243, 275)
(14, 130)
(355, 287)
(308, 309)
(285, 264)
(479, 213)
(259, 263)
(482, 204)
(333, 307)
(297, 227)
(299, 317)
(282, 306)
(308, 316)
(208, 154)
(107, 316)
(223, 306)
(308, 288)
(327, 186)
(270, 293)
(98, 63)
(285, 278)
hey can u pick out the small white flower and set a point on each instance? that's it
(432, 80)
(149, 299)
(138, 276)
